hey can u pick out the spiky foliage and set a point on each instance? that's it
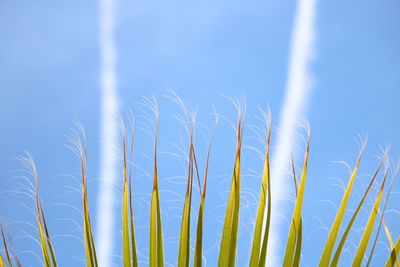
(339, 249)
(382, 222)
(79, 146)
(295, 231)
(49, 258)
(184, 240)
(228, 244)
(130, 257)
(333, 233)
(156, 236)
(198, 252)
(260, 241)
(12, 260)
(227, 252)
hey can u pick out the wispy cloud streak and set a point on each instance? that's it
(109, 132)
(298, 88)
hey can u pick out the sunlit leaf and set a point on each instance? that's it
(260, 241)
(362, 246)
(294, 239)
(6, 249)
(394, 254)
(184, 241)
(156, 240)
(198, 252)
(334, 231)
(339, 248)
(227, 252)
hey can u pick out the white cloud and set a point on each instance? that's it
(297, 93)
(109, 132)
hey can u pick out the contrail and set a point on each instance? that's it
(298, 87)
(109, 135)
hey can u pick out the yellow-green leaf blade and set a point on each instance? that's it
(296, 219)
(259, 246)
(126, 246)
(198, 254)
(227, 253)
(394, 254)
(299, 240)
(133, 236)
(256, 246)
(339, 249)
(368, 229)
(334, 231)
(392, 245)
(125, 227)
(90, 250)
(160, 249)
(5, 248)
(2, 264)
(43, 245)
(156, 240)
(49, 243)
(184, 241)
(44, 236)
(153, 231)
(183, 257)
(381, 222)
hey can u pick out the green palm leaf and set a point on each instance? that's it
(394, 255)
(156, 239)
(333, 233)
(259, 246)
(339, 249)
(362, 246)
(184, 242)
(227, 253)
(294, 239)
(198, 252)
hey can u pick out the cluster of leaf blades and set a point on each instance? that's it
(130, 257)
(228, 244)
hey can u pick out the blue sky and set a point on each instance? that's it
(49, 77)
